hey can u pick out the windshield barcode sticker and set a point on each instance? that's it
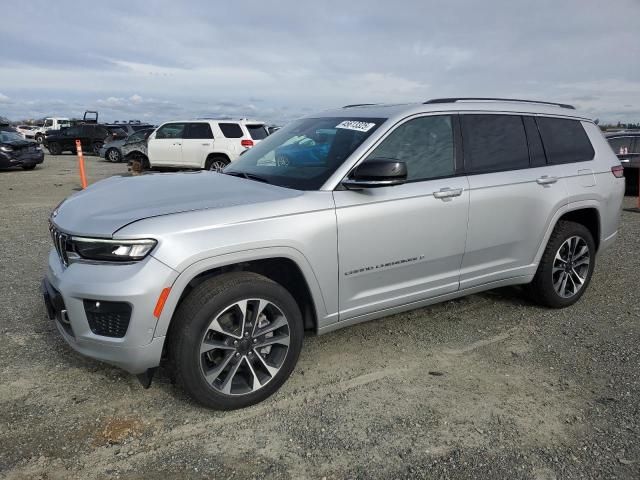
(355, 125)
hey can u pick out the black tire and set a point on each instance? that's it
(54, 148)
(191, 322)
(96, 146)
(28, 167)
(113, 155)
(216, 163)
(39, 138)
(542, 288)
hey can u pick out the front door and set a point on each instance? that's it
(165, 146)
(405, 243)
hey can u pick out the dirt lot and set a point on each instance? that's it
(488, 386)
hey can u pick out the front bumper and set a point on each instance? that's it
(18, 159)
(138, 284)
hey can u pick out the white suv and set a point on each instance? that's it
(203, 143)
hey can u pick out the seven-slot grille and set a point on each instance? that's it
(60, 241)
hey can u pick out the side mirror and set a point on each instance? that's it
(377, 172)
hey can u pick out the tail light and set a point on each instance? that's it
(618, 171)
(247, 143)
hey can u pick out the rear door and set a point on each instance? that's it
(165, 145)
(196, 144)
(230, 142)
(513, 196)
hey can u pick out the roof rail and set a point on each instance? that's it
(360, 105)
(490, 99)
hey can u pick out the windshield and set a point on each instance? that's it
(10, 136)
(305, 153)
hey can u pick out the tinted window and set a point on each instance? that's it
(198, 130)
(536, 150)
(494, 142)
(257, 132)
(424, 144)
(231, 130)
(72, 132)
(621, 145)
(170, 130)
(565, 141)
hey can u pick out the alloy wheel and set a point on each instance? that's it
(571, 266)
(244, 347)
(114, 156)
(217, 165)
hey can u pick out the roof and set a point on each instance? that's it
(443, 105)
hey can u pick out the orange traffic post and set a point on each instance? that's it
(83, 176)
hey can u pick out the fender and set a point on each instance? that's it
(210, 263)
(570, 207)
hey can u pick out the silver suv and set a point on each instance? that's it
(338, 218)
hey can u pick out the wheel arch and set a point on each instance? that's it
(285, 266)
(215, 154)
(585, 212)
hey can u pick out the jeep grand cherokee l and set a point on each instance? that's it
(221, 274)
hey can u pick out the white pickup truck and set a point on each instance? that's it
(50, 123)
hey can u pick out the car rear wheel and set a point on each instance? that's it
(216, 163)
(235, 340)
(54, 148)
(113, 155)
(566, 266)
(39, 138)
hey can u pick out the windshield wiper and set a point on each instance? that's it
(248, 176)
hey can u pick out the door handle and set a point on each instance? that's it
(546, 180)
(448, 192)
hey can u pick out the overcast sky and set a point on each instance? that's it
(278, 60)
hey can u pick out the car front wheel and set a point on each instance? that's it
(113, 155)
(235, 340)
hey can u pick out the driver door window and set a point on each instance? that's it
(424, 144)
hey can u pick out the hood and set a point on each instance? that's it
(114, 142)
(110, 204)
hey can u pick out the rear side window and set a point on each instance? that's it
(621, 145)
(425, 144)
(231, 130)
(257, 132)
(170, 130)
(198, 130)
(493, 143)
(565, 141)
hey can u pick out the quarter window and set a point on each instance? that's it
(494, 142)
(231, 130)
(425, 144)
(170, 130)
(198, 130)
(565, 141)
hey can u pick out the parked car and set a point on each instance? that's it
(15, 151)
(112, 150)
(51, 124)
(626, 145)
(221, 274)
(203, 143)
(92, 137)
(135, 148)
(27, 131)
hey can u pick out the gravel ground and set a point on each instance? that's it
(488, 386)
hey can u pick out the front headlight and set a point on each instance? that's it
(6, 148)
(112, 250)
